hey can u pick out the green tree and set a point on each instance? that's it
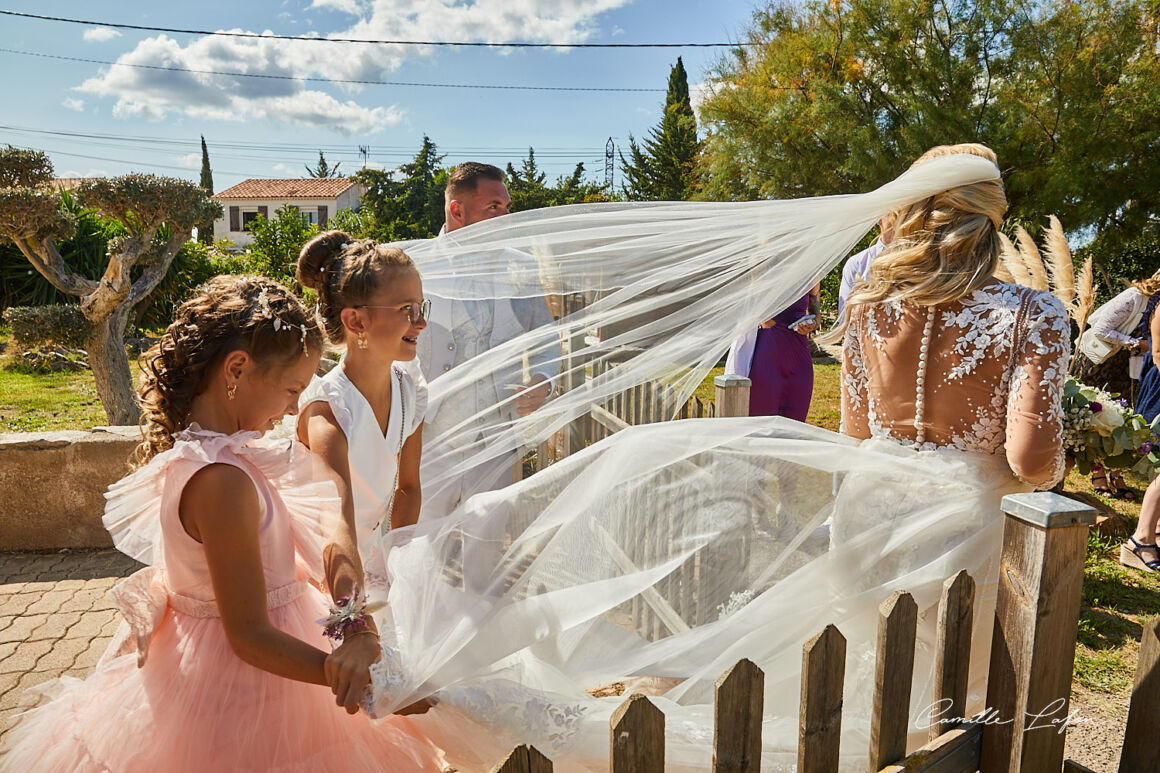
(205, 230)
(277, 242)
(665, 167)
(322, 168)
(158, 215)
(526, 185)
(839, 97)
(406, 203)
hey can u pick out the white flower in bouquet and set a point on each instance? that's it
(1106, 418)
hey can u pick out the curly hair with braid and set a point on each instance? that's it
(228, 313)
(346, 273)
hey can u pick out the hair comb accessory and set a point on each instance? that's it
(279, 323)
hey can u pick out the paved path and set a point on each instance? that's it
(56, 619)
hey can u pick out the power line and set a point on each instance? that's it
(320, 80)
(448, 43)
(393, 151)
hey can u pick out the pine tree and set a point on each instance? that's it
(663, 169)
(323, 169)
(526, 184)
(205, 230)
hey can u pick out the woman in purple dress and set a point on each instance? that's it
(776, 358)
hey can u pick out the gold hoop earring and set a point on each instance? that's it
(232, 391)
(362, 340)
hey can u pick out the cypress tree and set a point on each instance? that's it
(663, 169)
(205, 230)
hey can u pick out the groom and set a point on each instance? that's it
(459, 330)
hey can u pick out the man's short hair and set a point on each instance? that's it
(465, 178)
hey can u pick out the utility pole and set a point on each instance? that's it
(365, 150)
(609, 155)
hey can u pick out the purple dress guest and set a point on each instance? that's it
(777, 360)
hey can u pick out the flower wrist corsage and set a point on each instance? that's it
(348, 615)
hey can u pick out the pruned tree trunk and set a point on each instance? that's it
(31, 217)
(110, 367)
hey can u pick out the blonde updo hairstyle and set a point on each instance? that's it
(944, 247)
(346, 273)
(227, 314)
(1149, 286)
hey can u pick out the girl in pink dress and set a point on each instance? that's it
(230, 664)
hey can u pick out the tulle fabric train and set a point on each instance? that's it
(664, 555)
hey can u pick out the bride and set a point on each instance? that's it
(638, 562)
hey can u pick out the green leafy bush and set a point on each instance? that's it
(59, 324)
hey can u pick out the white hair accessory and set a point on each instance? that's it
(279, 323)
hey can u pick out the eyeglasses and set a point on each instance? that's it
(416, 312)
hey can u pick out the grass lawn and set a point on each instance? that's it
(39, 402)
(1116, 601)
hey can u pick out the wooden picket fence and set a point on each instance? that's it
(1029, 677)
(1032, 651)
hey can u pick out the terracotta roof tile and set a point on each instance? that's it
(308, 188)
(69, 183)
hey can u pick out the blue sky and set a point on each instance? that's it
(264, 127)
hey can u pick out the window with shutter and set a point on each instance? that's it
(264, 211)
(235, 219)
(322, 215)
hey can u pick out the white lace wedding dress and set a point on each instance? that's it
(660, 556)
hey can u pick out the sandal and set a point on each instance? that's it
(1100, 484)
(1121, 489)
(1130, 555)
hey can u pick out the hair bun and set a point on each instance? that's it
(317, 255)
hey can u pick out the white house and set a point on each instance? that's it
(315, 197)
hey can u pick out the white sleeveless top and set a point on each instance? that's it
(373, 456)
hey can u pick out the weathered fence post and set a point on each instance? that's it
(897, 621)
(732, 395)
(638, 737)
(737, 713)
(952, 655)
(524, 759)
(820, 719)
(1141, 751)
(1033, 646)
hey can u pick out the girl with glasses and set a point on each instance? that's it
(364, 419)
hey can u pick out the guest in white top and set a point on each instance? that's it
(363, 418)
(857, 266)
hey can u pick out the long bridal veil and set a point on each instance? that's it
(654, 559)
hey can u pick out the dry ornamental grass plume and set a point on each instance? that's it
(1031, 259)
(1085, 295)
(1013, 262)
(1059, 262)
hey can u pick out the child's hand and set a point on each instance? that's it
(348, 668)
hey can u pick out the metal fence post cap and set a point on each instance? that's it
(1048, 509)
(731, 380)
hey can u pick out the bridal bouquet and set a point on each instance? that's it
(1099, 429)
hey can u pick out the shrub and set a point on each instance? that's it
(59, 324)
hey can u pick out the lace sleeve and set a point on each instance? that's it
(1034, 405)
(855, 392)
(1119, 309)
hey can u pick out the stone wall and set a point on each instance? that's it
(52, 486)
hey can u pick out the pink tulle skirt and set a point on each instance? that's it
(196, 706)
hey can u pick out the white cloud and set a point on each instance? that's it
(74, 104)
(190, 160)
(698, 94)
(343, 6)
(154, 94)
(100, 34)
